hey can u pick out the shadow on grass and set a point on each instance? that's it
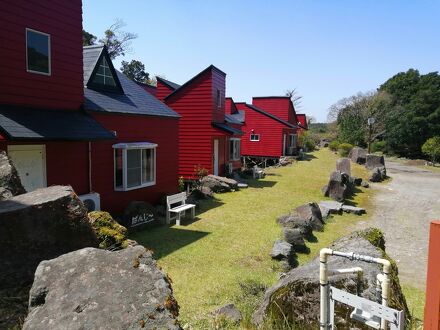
(350, 199)
(164, 240)
(208, 204)
(311, 238)
(261, 183)
(308, 157)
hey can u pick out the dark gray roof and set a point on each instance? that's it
(134, 100)
(253, 107)
(227, 128)
(232, 119)
(19, 123)
(238, 117)
(90, 57)
(168, 83)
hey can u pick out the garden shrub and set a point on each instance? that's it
(431, 148)
(344, 149)
(378, 146)
(333, 145)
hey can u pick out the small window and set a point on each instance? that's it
(219, 99)
(292, 138)
(255, 137)
(234, 149)
(37, 52)
(103, 75)
(135, 165)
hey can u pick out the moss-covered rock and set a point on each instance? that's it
(296, 298)
(111, 235)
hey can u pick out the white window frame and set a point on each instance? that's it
(235, 153)
(255, 139)
(295, 139)
(133, 146)
(106, 74)
(49, 51)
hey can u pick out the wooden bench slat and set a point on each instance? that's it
(181, 208)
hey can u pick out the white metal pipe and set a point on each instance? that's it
(323, 280)
(332, 272)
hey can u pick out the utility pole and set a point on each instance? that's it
(370, 132)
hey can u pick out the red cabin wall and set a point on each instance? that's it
(218, 83)
(278, 106)
(162, 90)
(196, 104)
(66, 163)
(131, 128)
(271, 131)
(63, 89)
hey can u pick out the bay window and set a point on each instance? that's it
(135, 165)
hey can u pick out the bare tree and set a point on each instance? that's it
(296, 99)
(117, 41)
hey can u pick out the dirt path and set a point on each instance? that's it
(404, 208)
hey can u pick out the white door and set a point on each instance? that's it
(30, 162)
(215, 156)
(284, 144)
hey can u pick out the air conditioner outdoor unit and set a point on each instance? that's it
(229, 168)
(91, 201)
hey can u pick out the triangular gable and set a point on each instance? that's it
(104, 77)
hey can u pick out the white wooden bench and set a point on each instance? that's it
(176, 204)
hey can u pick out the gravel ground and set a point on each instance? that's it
(404, 208)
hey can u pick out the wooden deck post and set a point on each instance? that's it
(432, 304)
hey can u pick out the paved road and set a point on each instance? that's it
(404, 208)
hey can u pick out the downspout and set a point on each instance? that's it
(90, 167)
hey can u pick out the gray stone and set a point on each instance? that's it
(378, 174)
(296, 296)
(10, 183)
(310, 212)
(353, 209)
(358, 155)
(139, 213)
(98, 289)
(219, 184)
(373, 161)
(343, 165)
(242, 185)
(356, 181)
(39, 225)
(332, 206)
(338, 187)
(365, 184)
(325, 212)
(296, 238)
(229, 312)
(294, 221)
(281, 250)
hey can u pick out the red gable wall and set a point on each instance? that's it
(302, 119)
(162, 90)
(63, 89)
(280, 106)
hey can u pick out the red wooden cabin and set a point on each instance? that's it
(141, 162)
(42, 126)
(270, 127)
(207, 138)
(68, 121)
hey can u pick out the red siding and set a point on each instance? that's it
(271, 134)
(162, 90)
(218, 84)
(63, 89)
(66, 163)
(159, 130)
(196, 104)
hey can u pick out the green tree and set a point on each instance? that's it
(135, 70)
(117, 41)
(431, 148)
(88, 38)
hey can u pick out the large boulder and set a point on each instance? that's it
(219, 184)
(343, 165)
(338, 187)
(296, 297)
(281, 250)
(311, 212)
(331, 207)
(295, 238)
(358, 155)
(295, 221)
(111, 235)
(40, 225)
(10, 183)
(373, 161)
(99, 289)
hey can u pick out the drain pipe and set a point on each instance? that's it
(90, 166)
(383, 279)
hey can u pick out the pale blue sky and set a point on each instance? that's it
(325, 49)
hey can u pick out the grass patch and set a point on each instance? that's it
(223, 256)
(416, 300)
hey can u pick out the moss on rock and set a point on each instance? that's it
(111, 235)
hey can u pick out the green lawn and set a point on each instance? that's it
(223, 256)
